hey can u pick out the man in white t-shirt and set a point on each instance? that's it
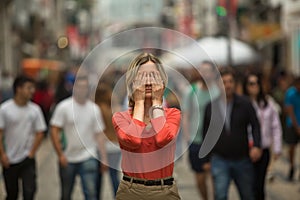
(81, 122)
(21, 132)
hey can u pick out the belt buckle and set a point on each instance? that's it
(149, 182)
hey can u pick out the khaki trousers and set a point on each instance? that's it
(133, 191)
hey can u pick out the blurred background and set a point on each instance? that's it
(49, 39)
(45, 37)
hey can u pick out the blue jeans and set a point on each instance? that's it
(240, 171)
(113, 160)
(88, 171)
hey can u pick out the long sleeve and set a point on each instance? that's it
(206, 122)
(256, 134)
(128, 130)
(276, 132)
(166, 127)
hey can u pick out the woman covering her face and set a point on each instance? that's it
(147, 133)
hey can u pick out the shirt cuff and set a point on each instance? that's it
(277, 150)
(158, 123)
(57, 124)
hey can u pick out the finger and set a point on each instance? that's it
(144, 79)
(155, 77)
(158, 78)
(146, 75)
(152, 80)
(148, 79)
(138, 80)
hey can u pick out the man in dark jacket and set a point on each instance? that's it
(231, 157)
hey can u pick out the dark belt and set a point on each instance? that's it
(168, 181)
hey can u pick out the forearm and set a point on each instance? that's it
(277, 134)
(166, 128)
(101, 147)
(255, 125)
(256, 137)
(128, 130)
(277, 143)
(138, 112)
(292, 116)
(36, 144)
(55, 133)
(157, 112)
(2, 150)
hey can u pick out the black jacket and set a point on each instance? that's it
(233, 144)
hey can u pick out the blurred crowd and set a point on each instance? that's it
(277, 91)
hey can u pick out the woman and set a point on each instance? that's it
(147, 134)
(271, 131)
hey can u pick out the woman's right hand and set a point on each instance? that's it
(138, 87)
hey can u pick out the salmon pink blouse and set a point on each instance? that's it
(147, 150)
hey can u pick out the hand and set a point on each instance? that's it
(255, 154)
(63, 161)
(157, 86)
(103, 168)
(4, 161)
(206, 166)
(31, 155)
(276, 156)
(138, 86)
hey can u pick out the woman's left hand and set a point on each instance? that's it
(157, 86)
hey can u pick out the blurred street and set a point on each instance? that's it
(48, 183)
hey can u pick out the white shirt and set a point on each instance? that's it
(80, 123)
(19, 125)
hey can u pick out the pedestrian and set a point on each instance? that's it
(271, 131)
(203, 91)
(21, 133)
(231, 157)
(104, 100)
(147, 134)
(81, 121)
(292, 107)
(64, 87)
(6, 81)
(44, 98)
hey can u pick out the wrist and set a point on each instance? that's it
(2, 153)
(31, 155)
(139, 103)
(156, 109)
(60, 154)
(156, 102)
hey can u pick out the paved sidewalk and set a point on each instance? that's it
(48, 183)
